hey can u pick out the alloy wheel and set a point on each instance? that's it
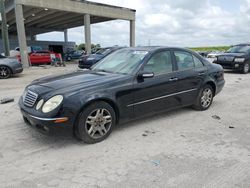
(98, 123)
(207, 97)
(4, 72)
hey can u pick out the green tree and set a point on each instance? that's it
(81, 46)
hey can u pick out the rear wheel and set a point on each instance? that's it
(246, 68)
(205, 98)
(5, 72)
(95, 123)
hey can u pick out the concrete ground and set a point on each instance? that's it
(182, 148)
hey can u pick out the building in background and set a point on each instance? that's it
(27, 18)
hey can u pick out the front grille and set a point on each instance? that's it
(226, 58)
(29, 98)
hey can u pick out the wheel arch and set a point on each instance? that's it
(11, 70)
(213, 85)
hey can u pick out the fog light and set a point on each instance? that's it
(236, 65)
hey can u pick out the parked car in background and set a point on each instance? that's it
(203, 53)
(214, 54)
(236, 58)
(42, 57)
(9, 67)
(73, 55)
(87, 61)
(127, 84)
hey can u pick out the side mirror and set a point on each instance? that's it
(144, 75)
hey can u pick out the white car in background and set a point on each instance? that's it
(214, 54)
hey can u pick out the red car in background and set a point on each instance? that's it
(42, 57)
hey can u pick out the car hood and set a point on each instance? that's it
(233, 54)
(74, 82)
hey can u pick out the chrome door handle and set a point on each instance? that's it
(173, 79)
(201, 73)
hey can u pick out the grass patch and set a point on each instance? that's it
(213, 48)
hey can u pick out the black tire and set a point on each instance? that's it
(5, 72)
(200, 104)
(68, 58)
(246, 68)
(91, 133)
(26, 121)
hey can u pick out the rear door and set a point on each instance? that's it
(190, 75)
(157, 93)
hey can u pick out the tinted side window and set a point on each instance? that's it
(159, 63)
(197, 62)
(184, 60)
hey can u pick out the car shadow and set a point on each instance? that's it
(232, 72)
(151, 118)
(63, 137)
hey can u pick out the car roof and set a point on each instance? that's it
(242, 44)
(154, 48)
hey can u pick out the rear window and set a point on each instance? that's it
(103, 51)
(184, 60)
(197, 62)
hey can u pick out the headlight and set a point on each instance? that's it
(39, 104)
(24, 94)
(239, 60)
(52, 103)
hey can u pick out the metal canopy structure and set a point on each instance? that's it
(32, 17)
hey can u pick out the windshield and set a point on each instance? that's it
(103, 51)
(122, 61)
(239, 49)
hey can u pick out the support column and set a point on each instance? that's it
(21, 35)
(132, 33)
(66, 35)
(87, 33)
(5, 34)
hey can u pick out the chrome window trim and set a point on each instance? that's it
(165, 96)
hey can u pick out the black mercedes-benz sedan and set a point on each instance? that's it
(236, 58)
(128, 84)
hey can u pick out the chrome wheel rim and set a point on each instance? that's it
(246, 68)
(206, 99)
(4, 72)
(98, 123)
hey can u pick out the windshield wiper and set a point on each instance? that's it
(102, 70)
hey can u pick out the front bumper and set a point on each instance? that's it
(45, 124)
(17, 68)
(230, 65)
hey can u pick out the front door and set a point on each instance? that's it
(157, 93)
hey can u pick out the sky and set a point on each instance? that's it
(183, 23)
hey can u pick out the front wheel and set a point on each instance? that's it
(246, 68)
(205, 98)
(95, 123)
(5, 72)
